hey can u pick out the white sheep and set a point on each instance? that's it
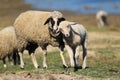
(13, 58)
(74, 35)
(101, 18)
(8, 43)
(32, 31)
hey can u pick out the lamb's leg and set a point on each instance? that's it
(34, 60)
(44, 58)
(77, 54)
(21, 60)
(4, 62)
(74, 58)
(70, 52)
(84, 56)
(63, 59)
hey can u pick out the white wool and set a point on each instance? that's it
(56, 14)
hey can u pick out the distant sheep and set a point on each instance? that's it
(32, 31)
(8, 43)
(74, 35)
(101, 18)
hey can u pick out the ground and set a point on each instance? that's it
(103, 60)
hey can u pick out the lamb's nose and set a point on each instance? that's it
(67, 35)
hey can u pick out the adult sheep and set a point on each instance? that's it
(74, 35)
(8, 43)
(101, 18)
(31, 29)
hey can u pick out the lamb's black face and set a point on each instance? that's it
(54, 23)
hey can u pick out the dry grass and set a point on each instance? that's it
(9, 10)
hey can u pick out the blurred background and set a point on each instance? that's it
(84, 11)
(78, 6)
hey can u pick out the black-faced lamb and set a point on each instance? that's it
(74, 35)
(32, 31)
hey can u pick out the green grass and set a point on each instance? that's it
(107, 65)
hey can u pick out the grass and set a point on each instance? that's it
(106, 65)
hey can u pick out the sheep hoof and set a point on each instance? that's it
(44, 67)
(5, 65)
(75, 69)
(65, 67)
(38, 67)
(83, 67)
(21, 68)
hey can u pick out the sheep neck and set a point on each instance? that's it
(71, 39)
(58, 38)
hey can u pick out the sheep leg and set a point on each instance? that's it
(14, 57)
(34, 60)
(74, 58)
(101, 22)
(44, 58)
(63, 59)
(10, 59)
(70, 53)
(84, 56)
(77, 54)
(21, 60)
(4, 62)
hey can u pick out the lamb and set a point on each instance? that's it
(74, 35)
(32, 31)
(7, 43)
(101, 18)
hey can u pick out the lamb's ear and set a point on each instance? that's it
(47, 21)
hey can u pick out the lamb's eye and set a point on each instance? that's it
(68, 26)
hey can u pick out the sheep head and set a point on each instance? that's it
(54, 20)
(65, 28)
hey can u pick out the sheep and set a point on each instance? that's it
(75, 35)
(7, 43)
(13, 58)
(101, 18)
(32, 31)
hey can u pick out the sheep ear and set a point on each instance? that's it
(61, 19)
(47, 21)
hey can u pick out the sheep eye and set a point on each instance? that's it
(52, 22)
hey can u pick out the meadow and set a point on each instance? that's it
(103, 59)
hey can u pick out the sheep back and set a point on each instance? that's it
(7, 41)
(30, 26)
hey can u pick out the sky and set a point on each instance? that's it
(78, 6)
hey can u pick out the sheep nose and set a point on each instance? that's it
(54, 31)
